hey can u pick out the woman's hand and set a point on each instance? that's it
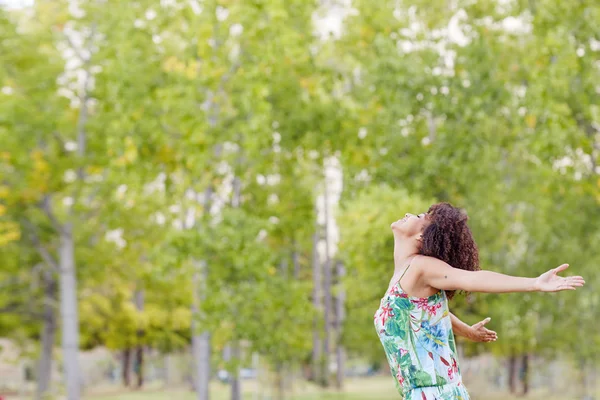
(475, 333)
(551, 282)
(479, 333)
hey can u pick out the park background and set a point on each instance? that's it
(200, 191)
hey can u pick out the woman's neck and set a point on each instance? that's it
(403, 250)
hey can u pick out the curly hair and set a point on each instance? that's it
(447, 237)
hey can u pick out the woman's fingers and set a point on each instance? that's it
(570, 283)
(566, 287)
(488, 335)
(481, 323)
(561, 268)
(484, 334)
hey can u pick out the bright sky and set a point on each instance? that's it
(16, 3)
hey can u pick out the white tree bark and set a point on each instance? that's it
(316, 266)
(201, 341)
(69, 313)
(340, 299)
(327, 294)
(68, 276)
(236, 382)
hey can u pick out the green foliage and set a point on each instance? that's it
(502, 122)
(247, 295)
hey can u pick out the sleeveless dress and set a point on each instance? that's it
(416, 333)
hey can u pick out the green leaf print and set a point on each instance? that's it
(439, 380)
(448, 396)
(396, 327)
(405, 361)
(390, 347)
(451, 341)
(422, 378)
(403, 303)
(409, 373)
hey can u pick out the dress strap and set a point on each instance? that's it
(401, 276)
(409, 264)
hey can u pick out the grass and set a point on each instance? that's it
(379, 388)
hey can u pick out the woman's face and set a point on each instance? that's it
(411, 224)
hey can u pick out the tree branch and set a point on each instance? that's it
(44, 253)
(47, 208)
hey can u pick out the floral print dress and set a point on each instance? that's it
(416, 333)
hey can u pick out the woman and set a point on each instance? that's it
(435, 255)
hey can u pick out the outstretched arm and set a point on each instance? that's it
(476, 333)
(440, 275)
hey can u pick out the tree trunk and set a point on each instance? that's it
(139, 366)
(236, 383)
(340, 299)
(126, 367)
(48, 336)
(512, 374)
(139, 351)
(125, 363)
(69, 313)
(327, 295)
(68, 276)
(316, 353)
(525, 368)
(201, 341)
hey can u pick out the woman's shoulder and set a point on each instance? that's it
(422, 259)
(423, 262)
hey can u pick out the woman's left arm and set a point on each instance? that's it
(476, 333)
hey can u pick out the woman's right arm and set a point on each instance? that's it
(440, 275)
